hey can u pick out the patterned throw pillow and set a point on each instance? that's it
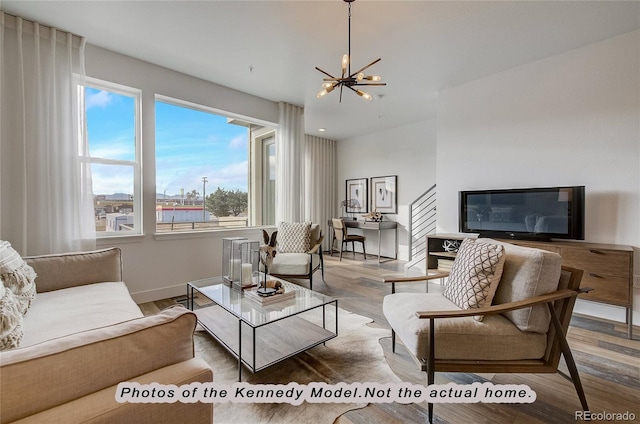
(17, 291)
(294, 237)
(475, 275)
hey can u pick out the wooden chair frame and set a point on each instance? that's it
(560, 304)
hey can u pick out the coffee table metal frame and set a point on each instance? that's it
(283, 317)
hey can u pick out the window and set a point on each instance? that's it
(112, 125)
(207, 168)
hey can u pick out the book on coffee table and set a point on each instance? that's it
(267, 300)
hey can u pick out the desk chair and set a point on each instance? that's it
(340, 234)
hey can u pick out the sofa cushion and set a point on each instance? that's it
(528, 272)
(67, 311)
(294, 237)
(63, 270)
(494, 338)
(475, 275)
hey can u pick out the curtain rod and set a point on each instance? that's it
(11, 21)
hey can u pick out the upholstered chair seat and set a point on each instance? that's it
(298, 251)
(493, 338)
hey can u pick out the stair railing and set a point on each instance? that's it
(422, 221)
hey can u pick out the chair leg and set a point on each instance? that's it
(322, 264)
(341, 247)
(364, 252)
(393, 340)
(568, 357)
(353, 248)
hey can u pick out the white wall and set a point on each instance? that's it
(408, 152)
(157, 267)
(570, 119)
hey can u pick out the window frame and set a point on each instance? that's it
(86, 158)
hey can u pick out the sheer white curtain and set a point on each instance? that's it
(320, 182)
(289, 156)
(46, 202)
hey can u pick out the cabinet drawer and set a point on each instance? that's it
(613, 290)
(601, 262)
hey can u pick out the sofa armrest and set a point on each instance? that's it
(52, 373)
(102, 407)
(60, 271)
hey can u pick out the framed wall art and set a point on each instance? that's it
(357, 196)
(384, 194)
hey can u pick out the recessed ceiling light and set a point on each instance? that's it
(322, 129)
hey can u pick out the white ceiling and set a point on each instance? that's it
(425, 46)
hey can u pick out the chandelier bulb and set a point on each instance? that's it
(326, 84)
(360, 76)
(364, 95)
(345, 63)
(374, 78)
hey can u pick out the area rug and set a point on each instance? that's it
(354, 356)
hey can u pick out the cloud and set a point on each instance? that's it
(238, 142)
(98, 99)
(121, 148)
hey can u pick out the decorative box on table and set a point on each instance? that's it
(239, 261)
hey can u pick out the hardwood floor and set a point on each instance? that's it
(608, 362)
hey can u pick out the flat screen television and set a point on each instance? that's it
(541, 213)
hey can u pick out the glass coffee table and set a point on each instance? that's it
(262, 335)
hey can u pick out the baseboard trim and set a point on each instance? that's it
(600, 310)
(159, 294)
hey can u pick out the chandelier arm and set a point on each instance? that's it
(326, 73)
(362, 69)
(352, 89)
(341, 85)
(371, 83)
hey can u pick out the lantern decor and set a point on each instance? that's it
(239, 261)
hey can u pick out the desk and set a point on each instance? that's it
(375, 226)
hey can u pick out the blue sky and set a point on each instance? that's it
(190, 144)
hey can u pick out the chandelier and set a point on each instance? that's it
(349, 79)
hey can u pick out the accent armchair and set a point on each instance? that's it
(523, 331)
(298, 251)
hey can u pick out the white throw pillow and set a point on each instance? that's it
(17, 276)
(475, 275)
(294, 237)
(10, 320)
